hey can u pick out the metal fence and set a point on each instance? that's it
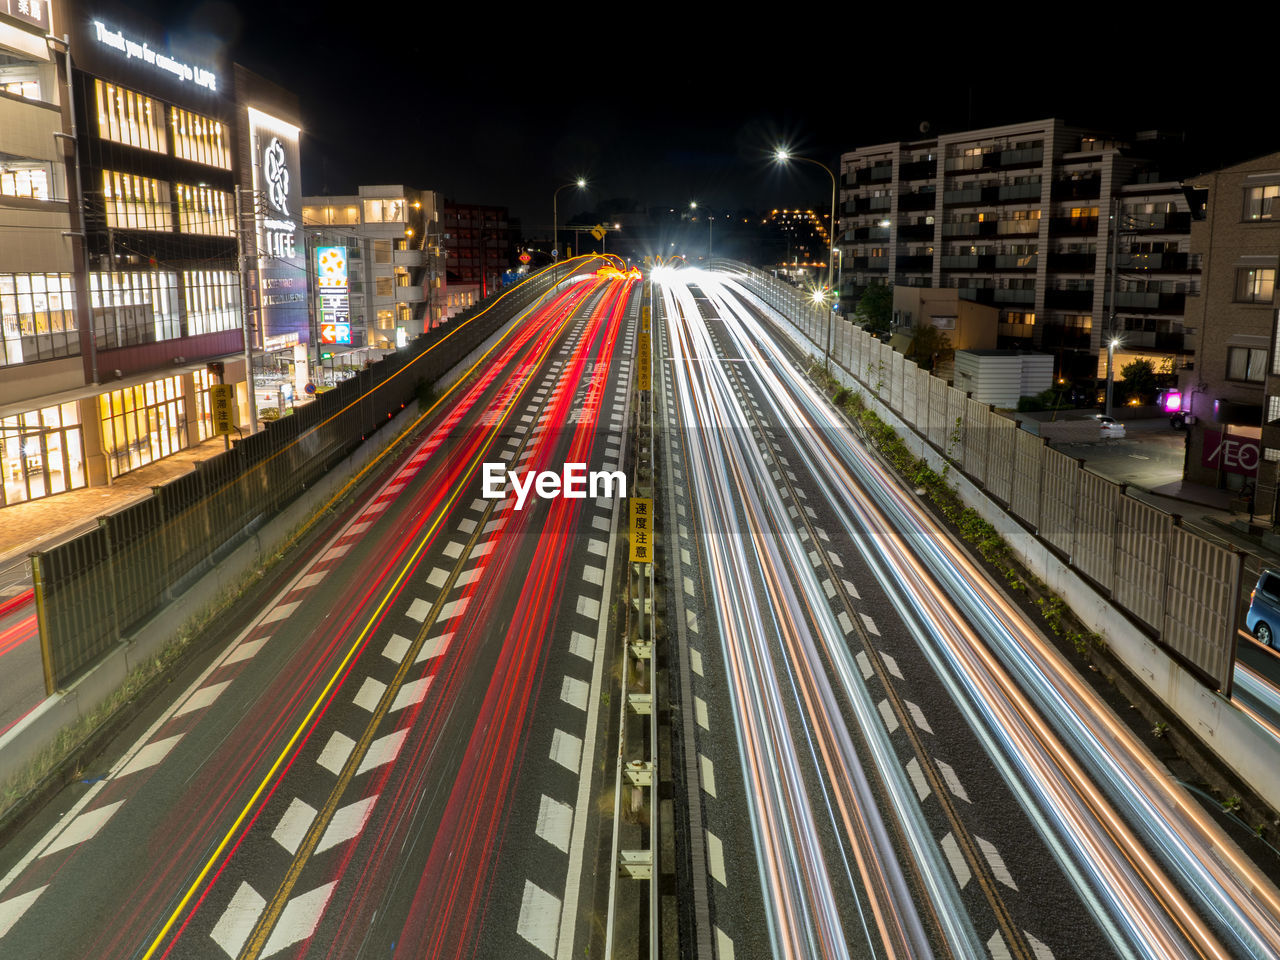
(1182, 589)
(95, 589)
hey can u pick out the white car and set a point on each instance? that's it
(1112, 429)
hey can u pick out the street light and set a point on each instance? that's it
(555, 216)
(1111, 352)
(782, 156)
(693, 205)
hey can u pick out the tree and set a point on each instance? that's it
(928, 344)
(875, 308)
(1139, 380)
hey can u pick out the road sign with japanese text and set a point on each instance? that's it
(221, 406)
(641, 529)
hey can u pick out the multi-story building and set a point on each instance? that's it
(807, 242)
(42, 421)
(120, 276)
(1231, 393)
(395, 273)
(1022, 217)
(477, 240)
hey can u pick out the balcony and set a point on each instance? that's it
(970, 228)
(408, 258)
(923, 200)
(870, 233)
(879, 173)
(1077, 301)
(956, 262)
(983, 295)
(1072, 262)
(968, 195)
(1151, 302)
(1166, 262)
(922, 263)
(918, 170)
(1021, 331)
(1156, 223)
(915, 232)
(1024, 298)
(870, 263)
(1015, 261)
(1030, 156)
(1170, 341)
(412, 294)
(1074, 226)
(1083, 188)
(1018, 191)
(864, 205)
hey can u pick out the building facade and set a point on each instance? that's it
(477, 240)
(390, 234)
(1231, 393)
(1023, 217)
(122, 297)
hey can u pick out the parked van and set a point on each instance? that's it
(1263, 618)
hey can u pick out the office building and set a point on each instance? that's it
(477, 241)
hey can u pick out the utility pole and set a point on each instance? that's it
(246, 326)
(1111, 315)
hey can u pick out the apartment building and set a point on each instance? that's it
(390, 234)
(1023, 217)
(477, 242)
(1231, 392)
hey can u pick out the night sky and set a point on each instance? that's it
(500, 104)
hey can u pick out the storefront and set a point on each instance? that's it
(142, 423)
(41, 453)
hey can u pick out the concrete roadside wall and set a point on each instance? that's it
(40, 729)
(1240, 742)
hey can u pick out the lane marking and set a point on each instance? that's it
(452, 609)
(581, 645)
(293, 826)
(918, 779)
(434, 647)
(998, 868)
(418, 610)
(575, 693)
(11, 910)
(724, 946)
(279, 612)
(917, 715)
(148, 756)
(383, 750)
(84, 827)
(346, 823)
(593, 575)
(299, 919)
(202, 698)
(236, 923)
(891, 665)
(396, 648)
(566, 750)
(453, 550)
(245, 650)
(864, 664)
(334, 755)
(1041, 951)
(708, 774)
(715, 858)
(589, 607)
(887, 715)
(437, 577)
(370, 693)
(695, 661)
(310, 580)
(539, 918)
(953, 781)
(700, 711)
(333, 553)
(555, 823)
(870, 625)
(999, 949)
(410, 694)
(956, 859)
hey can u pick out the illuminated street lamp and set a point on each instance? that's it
(782, 156)
(1111, 353)
(580, 183)
(693, 205)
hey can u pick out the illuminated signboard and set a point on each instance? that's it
(282, 274)
(331, 268)
(133, 49)
(32, 11)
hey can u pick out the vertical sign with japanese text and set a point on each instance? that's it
(221, 404)
(641, 529)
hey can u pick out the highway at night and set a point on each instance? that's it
(396, 750)
(920, 772)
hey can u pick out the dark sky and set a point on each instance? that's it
(500, 104)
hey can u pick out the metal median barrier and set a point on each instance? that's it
(1181, 589)
(94, 590)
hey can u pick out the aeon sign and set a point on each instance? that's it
(1231, 454)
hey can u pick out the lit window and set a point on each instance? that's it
(1258, 200)
(199, 138)
(128, 117)
(1245, 363)
(1255, 286)
(136, 203)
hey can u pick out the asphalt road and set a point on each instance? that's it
(397, 751)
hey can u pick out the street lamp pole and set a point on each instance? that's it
(783, 156)
(555, 216)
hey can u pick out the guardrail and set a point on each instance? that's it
(636, 773)
(95, 589)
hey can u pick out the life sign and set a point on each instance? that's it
(641, 529)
